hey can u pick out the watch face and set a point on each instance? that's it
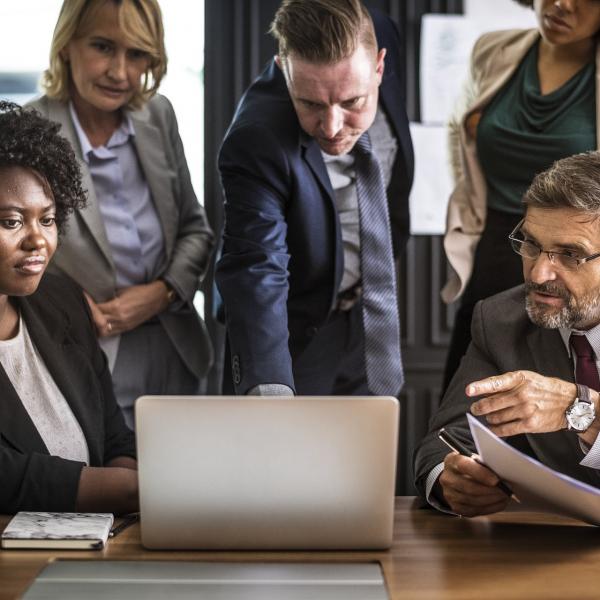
(580, 416)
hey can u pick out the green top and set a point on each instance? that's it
(522, 132)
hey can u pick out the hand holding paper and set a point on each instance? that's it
(537, 486)
(469, 488)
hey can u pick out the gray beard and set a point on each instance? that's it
(572, 315)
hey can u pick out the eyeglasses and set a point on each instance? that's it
(562, 261)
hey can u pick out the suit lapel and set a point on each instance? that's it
(314, 159)
(150, 149)
(312, 155)
(62, 358)
(389, 93)
(548, 352)
(59, 112)
(16, 426)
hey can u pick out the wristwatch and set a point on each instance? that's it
(581, 414)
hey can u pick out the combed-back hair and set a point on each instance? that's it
(140, 21)
(32, 142)
(322, 31)
(572, 182)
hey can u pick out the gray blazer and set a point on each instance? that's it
(504, 339)
(84, 253)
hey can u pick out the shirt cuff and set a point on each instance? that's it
(270, 389)
(592, 454)
(180, 301)
(429, 483)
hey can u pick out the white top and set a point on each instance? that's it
(43, 401)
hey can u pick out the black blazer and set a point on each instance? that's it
(282, 260)
(504, 339)
(60, 326)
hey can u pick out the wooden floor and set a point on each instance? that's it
(508, 556)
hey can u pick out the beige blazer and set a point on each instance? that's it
(494, 59)
(84, 252)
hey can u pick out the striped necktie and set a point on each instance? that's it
(378, 273)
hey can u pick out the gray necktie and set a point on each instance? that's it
(380, 304)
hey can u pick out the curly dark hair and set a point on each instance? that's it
(31, 141)
(528, 3)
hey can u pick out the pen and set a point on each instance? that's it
(124, 524)
(456, 446)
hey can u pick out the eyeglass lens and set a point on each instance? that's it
(532, 252)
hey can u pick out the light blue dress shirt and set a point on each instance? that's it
(132, 225)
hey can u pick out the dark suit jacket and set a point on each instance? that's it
(282, 259)
(60, 326)
(504, 339)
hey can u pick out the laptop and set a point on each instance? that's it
(267, 473)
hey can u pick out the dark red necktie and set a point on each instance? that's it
(586, 372)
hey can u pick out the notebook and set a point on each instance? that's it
(52, 530)
(270, 473)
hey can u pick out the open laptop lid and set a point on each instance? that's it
(248, 472)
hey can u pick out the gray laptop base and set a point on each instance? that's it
(147, 580)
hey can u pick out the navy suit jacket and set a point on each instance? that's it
(282, 259)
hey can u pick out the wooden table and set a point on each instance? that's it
(508, 556)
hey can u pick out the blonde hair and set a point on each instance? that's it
(140, 21)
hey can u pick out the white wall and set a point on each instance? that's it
(493, 9)
(26, 28)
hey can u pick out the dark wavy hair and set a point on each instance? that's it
(528, 3)
(30, 141)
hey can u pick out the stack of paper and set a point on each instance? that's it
(537, 486)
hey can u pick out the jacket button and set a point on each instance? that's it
(236, 370)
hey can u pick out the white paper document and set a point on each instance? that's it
(537, 486)
(490, 10)
(433, 181)
(446, 44)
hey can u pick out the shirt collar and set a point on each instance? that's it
(345, 161)
(119, 137)
(593, 336)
